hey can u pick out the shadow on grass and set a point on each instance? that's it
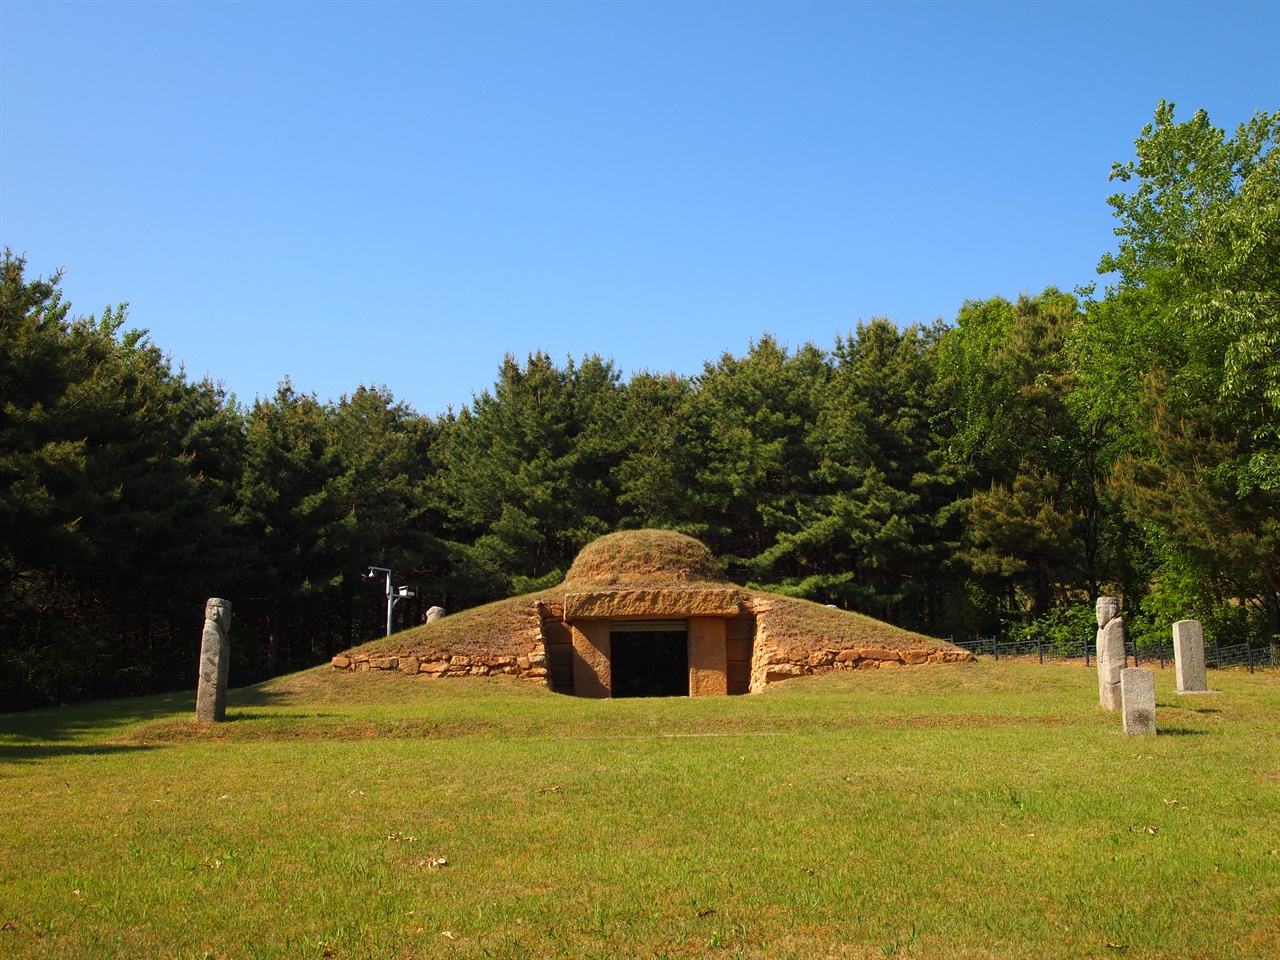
(31, 752)
(1181, 732)
(256, 696)
(108, 719)
(88, 721)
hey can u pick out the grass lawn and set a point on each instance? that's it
(970, 810)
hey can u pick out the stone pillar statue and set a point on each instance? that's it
(1138, 691)
(215, 660)
(1188, 657)
(1112, 655)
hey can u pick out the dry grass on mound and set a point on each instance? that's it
(496, 629)
(644, 559)
(503, 629)
(804, 625)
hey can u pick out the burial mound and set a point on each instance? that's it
(649, 613)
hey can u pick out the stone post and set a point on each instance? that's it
(1138, 693)
(215, 661)
(1112, 654)
(1188, 656)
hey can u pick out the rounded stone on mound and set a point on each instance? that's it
(644, 558)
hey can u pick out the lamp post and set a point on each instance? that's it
(394, 596)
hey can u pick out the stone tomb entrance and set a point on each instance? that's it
(649, 643)
(649, 658)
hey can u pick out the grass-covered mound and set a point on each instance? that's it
(806, 634)
(795, 625)
(497, 629)
(644, 559)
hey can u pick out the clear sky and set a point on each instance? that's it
(401, 193)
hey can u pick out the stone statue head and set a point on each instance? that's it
(219, 611)
(1108, 609)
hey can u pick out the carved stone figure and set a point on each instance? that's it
(215, 661)
(1108, 608)
(1112, 654)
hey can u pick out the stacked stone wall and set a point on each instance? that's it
(439, 664)
(531, 663)
(557, 641)
(740, 634)
(772, 662)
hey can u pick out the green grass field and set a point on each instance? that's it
(973, 810)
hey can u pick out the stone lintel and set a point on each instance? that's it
(613, 604)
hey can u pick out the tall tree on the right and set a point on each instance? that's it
(1182, 356)
(1038, 528)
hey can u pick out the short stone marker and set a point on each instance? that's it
(1138, 693)
(1112, 654)
(434, 614)
(1188, 656)
(215, 661)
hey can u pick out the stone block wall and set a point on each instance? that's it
(707, 647)
(739, 638)
(439, 664)
(557, 641)
(771, 662)
(526, 658)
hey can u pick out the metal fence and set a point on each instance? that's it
(1238, 655)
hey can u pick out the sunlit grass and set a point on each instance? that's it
(975, 810)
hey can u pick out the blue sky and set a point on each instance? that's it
(401, 193)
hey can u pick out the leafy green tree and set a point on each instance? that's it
(115, 513)
(1040, 526)
(865, 536)
(390, 519)
(752, 416)
(1183, 353)
(661, 452)
(526, 474)
(327, 490)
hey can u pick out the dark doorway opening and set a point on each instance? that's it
(650, 660)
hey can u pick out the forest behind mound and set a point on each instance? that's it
(988, 476)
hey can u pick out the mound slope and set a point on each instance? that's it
(531, 636)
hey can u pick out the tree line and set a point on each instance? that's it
(987, 477)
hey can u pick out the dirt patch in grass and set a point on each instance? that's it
(304, 729)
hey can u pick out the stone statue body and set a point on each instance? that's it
(215, 661)
(1112, 653)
